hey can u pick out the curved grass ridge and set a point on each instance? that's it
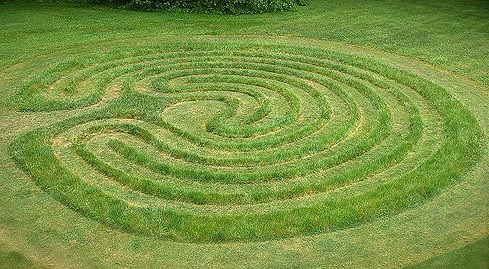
(241, 141)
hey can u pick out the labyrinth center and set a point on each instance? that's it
(240, 139)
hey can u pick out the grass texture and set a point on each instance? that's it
(14, 260)
(248, 127)
(473, 255)
(247, 143)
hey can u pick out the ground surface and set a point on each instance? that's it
(345, 134)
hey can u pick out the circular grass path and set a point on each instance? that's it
(254, 147)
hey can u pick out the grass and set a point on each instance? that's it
(14, 260)
(473, 255)
(217, 142)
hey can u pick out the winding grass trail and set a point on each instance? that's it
(213, 141)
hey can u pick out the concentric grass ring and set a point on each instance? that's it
(237, 139)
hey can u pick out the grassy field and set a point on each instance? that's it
(344, 134)
(473, 255)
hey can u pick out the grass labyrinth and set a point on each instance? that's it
(240, 139)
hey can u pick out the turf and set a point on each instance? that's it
(473, 255)
(186, 140)
(14, 260)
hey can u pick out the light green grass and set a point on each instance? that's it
(184, 140)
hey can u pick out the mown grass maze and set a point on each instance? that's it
(240, 139)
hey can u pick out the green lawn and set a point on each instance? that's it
(344, 134)
(473, 255)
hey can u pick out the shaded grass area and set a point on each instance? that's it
(474, 255)
(10, 259)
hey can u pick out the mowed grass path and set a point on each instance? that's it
(209, 140)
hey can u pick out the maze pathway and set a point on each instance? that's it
(245, 139)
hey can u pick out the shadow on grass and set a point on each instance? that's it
(474, 255)
(13, 260)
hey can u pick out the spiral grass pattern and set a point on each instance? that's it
(224, 139)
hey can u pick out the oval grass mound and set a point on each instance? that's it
(217, 139)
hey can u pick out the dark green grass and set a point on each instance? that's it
(474, 255)
(10, 259)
